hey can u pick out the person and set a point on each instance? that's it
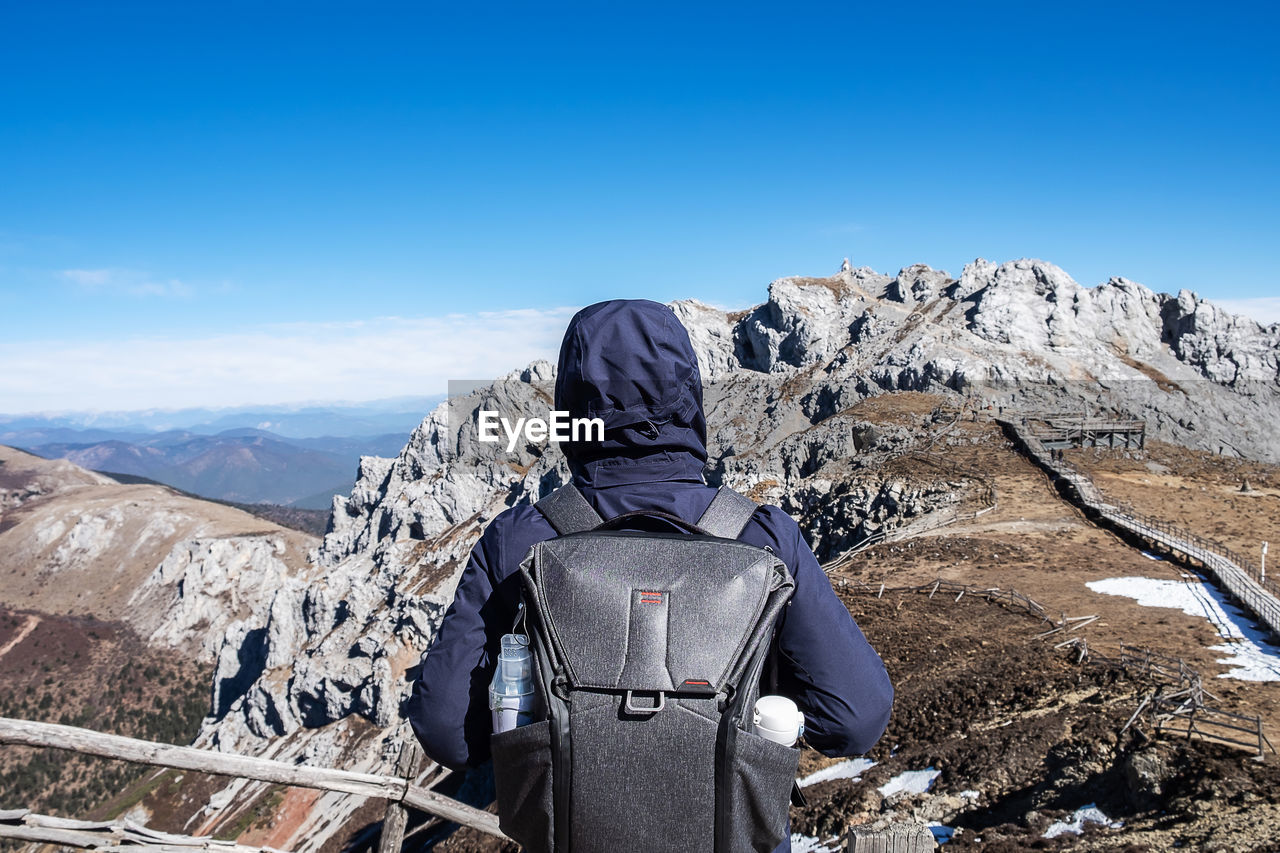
(630, 363)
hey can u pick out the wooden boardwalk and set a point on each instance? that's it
(1227, 570)
(1058, 430)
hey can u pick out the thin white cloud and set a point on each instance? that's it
(171, 287)
(357, 360)
(88, 278)
(1264, 309)
(128, 282)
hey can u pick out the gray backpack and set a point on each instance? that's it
(648, 649)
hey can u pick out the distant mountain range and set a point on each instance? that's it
(374, 418)
(305, 457)
(243, 465)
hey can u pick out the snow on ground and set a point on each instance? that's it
(1083, 815)
(851, 769)
(1248, 652)
(915, 781)
(809, 844)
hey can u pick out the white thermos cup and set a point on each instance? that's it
(778, 719)
(511, 693)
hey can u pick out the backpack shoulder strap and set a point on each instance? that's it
(569, 511)
(728, 514)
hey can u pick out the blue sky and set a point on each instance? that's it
(188, 178)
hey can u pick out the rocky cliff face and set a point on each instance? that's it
(304, 670)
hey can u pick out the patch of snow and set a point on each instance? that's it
(942, 834)
(969, 795)
(809, 844)
(915, 781)
(1084, 815)
(1247, 648)
(1151, 556)
(851, 769)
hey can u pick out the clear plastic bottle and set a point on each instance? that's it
(511, 693)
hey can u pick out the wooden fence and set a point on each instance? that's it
(397, 791)
(1177, 706)
(1180, 710)
(1010, 598)
(22, 825)
(933, 521)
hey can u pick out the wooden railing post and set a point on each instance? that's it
(397, 817)
(895, 838)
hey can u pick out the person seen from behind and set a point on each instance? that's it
(630, 363)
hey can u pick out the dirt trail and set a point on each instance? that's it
(23, 633)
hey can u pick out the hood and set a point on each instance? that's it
(629, 362)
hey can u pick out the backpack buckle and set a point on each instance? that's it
(632, 708)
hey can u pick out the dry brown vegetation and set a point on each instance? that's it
(81, 671)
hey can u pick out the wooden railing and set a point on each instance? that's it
(931, 521)
(1009, 598)
(22, 825)
(399, 792)
(1177, 706)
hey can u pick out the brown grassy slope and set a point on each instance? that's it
(1039, 544)
(81, 671)
(1195, 490)
(78, 543)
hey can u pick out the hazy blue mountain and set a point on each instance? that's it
(389, 444)
(297, 455)
(378, 417)
(243, 465)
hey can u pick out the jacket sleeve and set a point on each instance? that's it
(448, 707)
(824, 662)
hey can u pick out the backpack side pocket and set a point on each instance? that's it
(522, 777)
(761, 774)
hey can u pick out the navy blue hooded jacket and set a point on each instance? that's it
(629, 362)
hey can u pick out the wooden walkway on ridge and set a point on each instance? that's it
(1229, 570)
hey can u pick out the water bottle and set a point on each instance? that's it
(511, 693)
(778, 719)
